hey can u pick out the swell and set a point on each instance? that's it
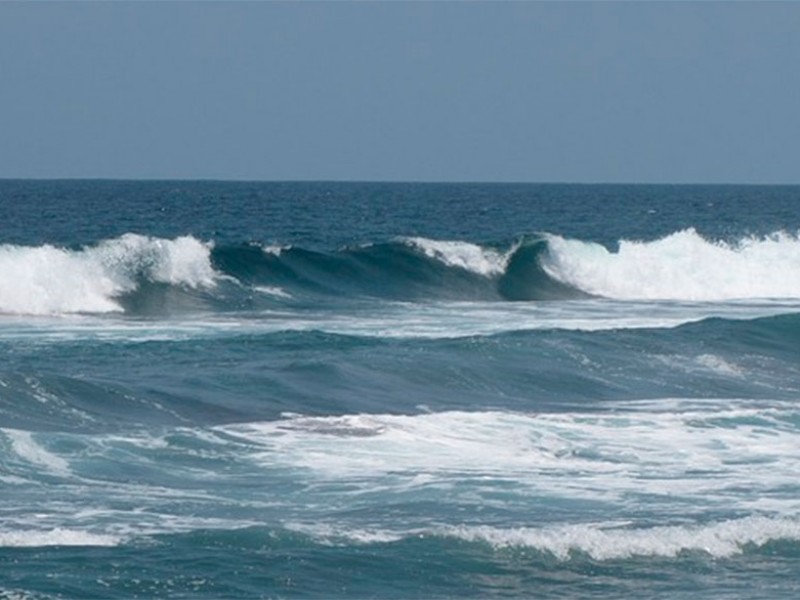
(142, 275)
(93, 385)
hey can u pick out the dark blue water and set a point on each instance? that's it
(214, 389)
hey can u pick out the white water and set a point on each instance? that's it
(718, 455)
(462, 255)
(681, 266)
(29, 538)
(47, 280)
(439, 320)
(650, 479)
(600, 541)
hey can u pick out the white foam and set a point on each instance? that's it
(680, 266)
(25, 447)
(719, 365)
(275, 249)
(600, 541)
(272, 290)
(710, 455)
(432, 320)
(47, 280)
(328, 533)
(56, 537)
(463, 255)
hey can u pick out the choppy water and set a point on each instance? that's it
(399, 390)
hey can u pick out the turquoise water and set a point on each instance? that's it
(323, 390)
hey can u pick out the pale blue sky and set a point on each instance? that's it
(569, 92)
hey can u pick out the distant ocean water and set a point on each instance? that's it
(322, 390)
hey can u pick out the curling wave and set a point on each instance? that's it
(131, 273)
(48, 280)
(683, 266)
(680, 266)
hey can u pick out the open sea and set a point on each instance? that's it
(380, 390)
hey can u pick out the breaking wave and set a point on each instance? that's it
(683, 266)
(126, 274)
(601, 542)
(48, 280)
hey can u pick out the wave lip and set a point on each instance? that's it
(463, 255)
(47, 280)
(681, 266)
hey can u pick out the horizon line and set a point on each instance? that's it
(393, 181)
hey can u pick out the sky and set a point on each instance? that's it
(624, 92)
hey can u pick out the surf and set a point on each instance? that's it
(142, 275)
(47, 280)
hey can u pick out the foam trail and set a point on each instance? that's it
(46, 280)
(56, 537)
(26, 448)
(681, 266)
(599, 457)
(600, 541)
(720, 540)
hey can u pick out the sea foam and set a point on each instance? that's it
(47, 280)
(605, 458)
(463, 255)
(599, 541)
(680, 266)
(56, 537)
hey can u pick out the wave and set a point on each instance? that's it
(680, 266)
(415, 269)
(140, 274)
(546, 369)
(683, 266)
(56, 537)
(601, 542)
(48, 280)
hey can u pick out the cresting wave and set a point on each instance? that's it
(683, 266)
(50, 280)
(601, 542)
(680, 266)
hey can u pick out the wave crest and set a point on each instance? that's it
(680, 266)
(463, 255)
(601, 542)
(46, 280)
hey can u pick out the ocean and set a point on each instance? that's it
(399, 390)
